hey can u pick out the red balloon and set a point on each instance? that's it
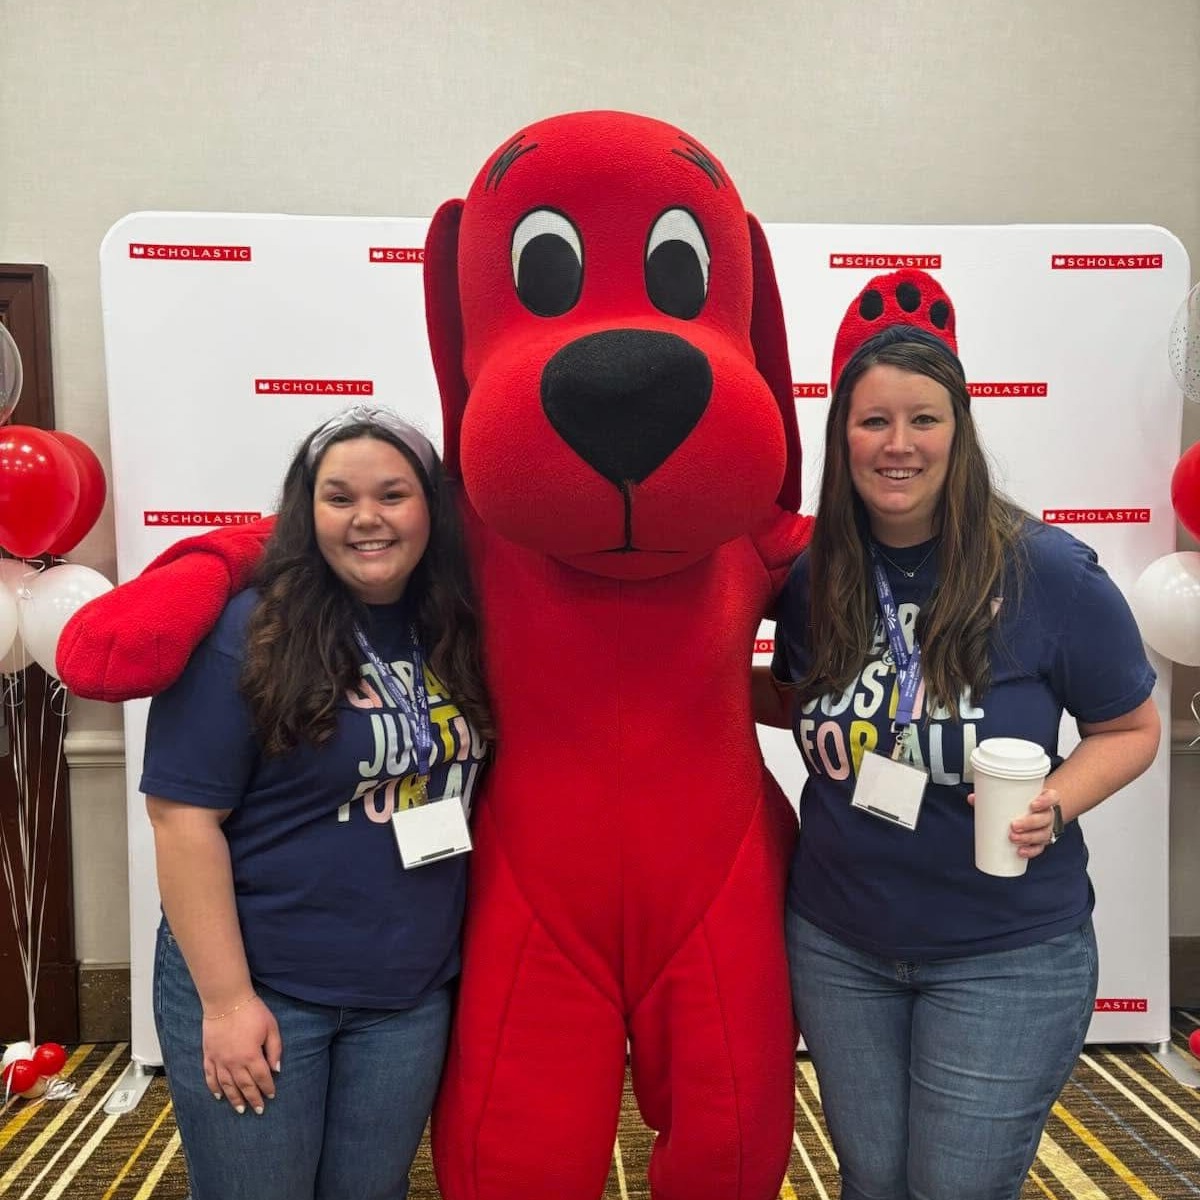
(1194, 1042)
(49, 1058)
(39, 489)
(1185, 489)
(20, 1076)
(92, 490)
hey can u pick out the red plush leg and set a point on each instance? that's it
(531, 1093)
(714, 1048)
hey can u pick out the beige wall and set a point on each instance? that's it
(824, 110)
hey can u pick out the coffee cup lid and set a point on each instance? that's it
(1011, 758)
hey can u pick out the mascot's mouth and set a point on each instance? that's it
(628, 546)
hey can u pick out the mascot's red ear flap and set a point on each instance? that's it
(769, 337)
(443, 319)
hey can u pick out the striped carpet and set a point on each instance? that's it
(1122, 1128)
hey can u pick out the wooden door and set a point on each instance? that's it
(25, 310)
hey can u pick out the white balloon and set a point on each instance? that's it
(15, 1051)
(8, 620)
(1183, 346)
(13, 574)
(1166, 603)
(10, 373)
(48, 601)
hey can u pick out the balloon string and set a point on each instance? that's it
(34, 566)
(17, 859)
(37, 880)
(8, 862)
(26, 876)
(18, 730)
(1196, 715)
(56, 703)
(23, 852)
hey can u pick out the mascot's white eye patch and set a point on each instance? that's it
(677, 264)
(547, 262)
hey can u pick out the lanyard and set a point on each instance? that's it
(416, 709)
(908, 665)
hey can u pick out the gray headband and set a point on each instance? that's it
(383, 418)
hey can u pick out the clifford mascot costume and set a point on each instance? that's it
(610, 351)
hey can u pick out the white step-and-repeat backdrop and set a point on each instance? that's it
(229, 336)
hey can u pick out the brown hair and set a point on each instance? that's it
(301, 655)
(979, 531)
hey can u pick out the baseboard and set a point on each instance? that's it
(104, 1003)
(1185, 972)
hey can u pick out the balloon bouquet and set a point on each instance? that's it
(1166, 597)
(52, 489)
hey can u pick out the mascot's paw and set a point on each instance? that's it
(119, 647)
(905, 297)
(135, 640)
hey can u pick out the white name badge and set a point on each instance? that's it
(430, 832)
(890, 790)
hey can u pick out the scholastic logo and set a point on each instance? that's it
(1007, 389)
(179, 253)
(1096, 516)
(1122, 1004)
(201, 517)
(764, 645)
(885, 262)
(1106, 262)
(810, 391)
(397, 254)
(315, 387)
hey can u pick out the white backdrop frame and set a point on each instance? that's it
(229, 336)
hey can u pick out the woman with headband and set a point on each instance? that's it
(308, 779)
(944, 1008)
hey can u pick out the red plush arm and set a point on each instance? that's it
(135, 640)
(778, 541)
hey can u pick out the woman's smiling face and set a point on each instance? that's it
(371, 517)
(899, 433)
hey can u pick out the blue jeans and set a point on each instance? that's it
(937, 1077)
(351, 1100)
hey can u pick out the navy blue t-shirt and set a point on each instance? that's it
(327, 911)
(1065, 640)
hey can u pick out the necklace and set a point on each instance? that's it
(904, 570)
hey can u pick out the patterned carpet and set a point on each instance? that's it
(1122, 1128)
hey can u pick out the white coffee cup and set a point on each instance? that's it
(1009, 772)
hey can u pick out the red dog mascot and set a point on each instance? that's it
(610, 350)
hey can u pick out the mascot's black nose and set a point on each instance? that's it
(624, 399)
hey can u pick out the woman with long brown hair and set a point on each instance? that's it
(943, 1007)
(308, 778)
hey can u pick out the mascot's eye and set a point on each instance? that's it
(547, 262)
(677, 265)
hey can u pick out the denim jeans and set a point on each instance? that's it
(351, 1100)
(937, 1077)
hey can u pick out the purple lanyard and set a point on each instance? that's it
(417, 709)
(908, 665)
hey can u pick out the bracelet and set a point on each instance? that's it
(229, 1011)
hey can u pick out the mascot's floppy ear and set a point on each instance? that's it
(769, 338)
(443, 320)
